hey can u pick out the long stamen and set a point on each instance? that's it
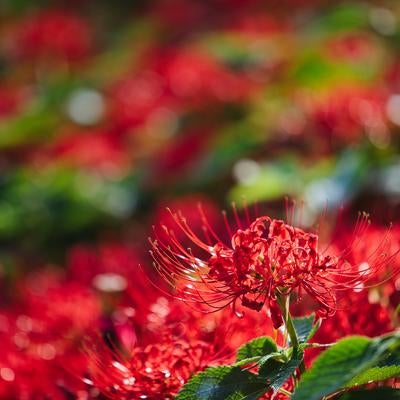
(268, 257)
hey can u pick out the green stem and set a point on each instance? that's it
(291, 330)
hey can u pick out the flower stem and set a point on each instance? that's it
(283, 302)
(286, 392)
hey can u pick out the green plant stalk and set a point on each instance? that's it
(284, 306)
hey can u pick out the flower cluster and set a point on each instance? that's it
(138, 342)
(265, 262)
(151, 371)
(112, 111)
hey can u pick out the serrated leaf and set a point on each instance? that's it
(229, 383)
(246, 361)
(278, 356)
(305, 328)
(372, 394)
(258, 347)
(277, 373)
(375, 374)
(338, 365)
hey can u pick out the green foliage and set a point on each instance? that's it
(275, 367)
(229, 383)
(60, 206)
(32, 126)
(352, 361)
(345, 17)
(256, 348)
(338, 366)
(277, 373)
(375, 374)
(305, 328)
(373, 394)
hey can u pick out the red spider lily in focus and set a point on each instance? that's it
(226, 332)
(188, 206)
(265, 262)
(389, 241)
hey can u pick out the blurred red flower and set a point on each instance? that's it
(57, 34)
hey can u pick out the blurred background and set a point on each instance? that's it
(109, 111)
(112, 110)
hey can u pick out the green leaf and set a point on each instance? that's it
(373, 394)
(305, 328)
(375, 374)
(258, 347)
(229, 383)
(279, 356)
(393, 357)
(277, 373)
(338, 365)
(345, 17)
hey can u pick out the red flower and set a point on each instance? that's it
(40, 337)
(56, 34)
(188, 206)
(267, 260)
(357, 316)
(152, 372)
(91, 149)
(356, 319)
(347, 113)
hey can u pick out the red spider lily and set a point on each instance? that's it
(347, 113)
(178, 155)
(188, 206)
(112, 269)
(33, 368)
(359, 316)
(40, 337)
(53, 34)
(175, 343)
(353, 322)
(222, 329)
(172, 82)
(90, 149)
(389, 242)
(60, 307)
(267, 260)
(195, 76)
(153, 372)
(86, 262)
